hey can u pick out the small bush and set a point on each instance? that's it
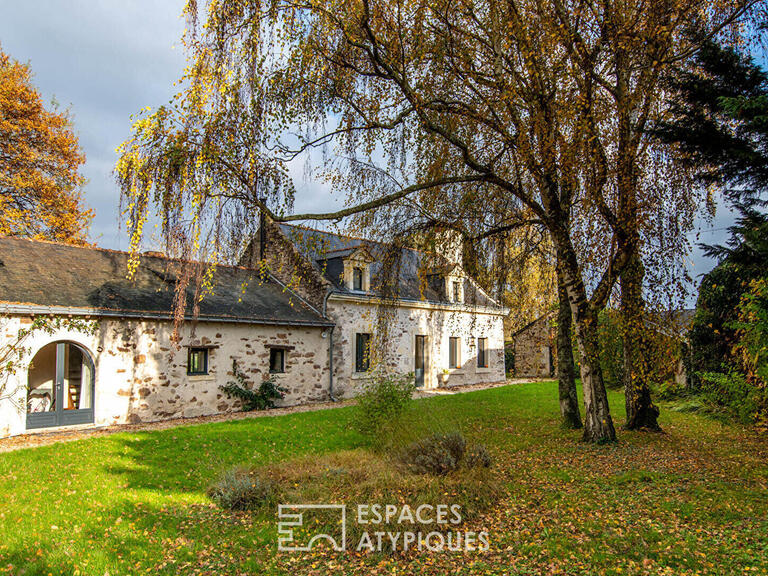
(509, 359)
(477, 457)
(438, 454)
(381, 403)
(240, 489)
(611, 348)
(265, 397)
(731, 394)
(670, 390)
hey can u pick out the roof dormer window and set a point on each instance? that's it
(456, 291)
(357, 270)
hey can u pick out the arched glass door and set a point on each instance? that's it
(60, 386)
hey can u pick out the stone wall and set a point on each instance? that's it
(397, 350)
(141, 376)
(535, 349)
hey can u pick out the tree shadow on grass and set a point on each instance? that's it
(188, 459)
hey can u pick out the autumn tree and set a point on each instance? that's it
(40, 159)
(482, 101)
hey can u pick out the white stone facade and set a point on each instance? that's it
(438, 323)
(141, 376)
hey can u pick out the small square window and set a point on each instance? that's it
(362, 352)
(482, 352)
(454, 352)
(276, 360)
(197, 361)
(357, 279)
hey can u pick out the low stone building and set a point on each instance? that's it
(108, 354)
(81, 344)
(440, 325)
(535, 348)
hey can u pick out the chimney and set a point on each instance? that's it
(262, 232)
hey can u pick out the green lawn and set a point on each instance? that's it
(691, 501)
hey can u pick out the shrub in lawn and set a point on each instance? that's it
(509, 359)
(669, 390)
(262, 398)
(477, 456)
(437, 454)
(381, 404)
(240, 489)
(730, 394)
(440, 454)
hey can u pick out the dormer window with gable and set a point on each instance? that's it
(357, 270)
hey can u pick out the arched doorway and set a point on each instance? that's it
(60, 386)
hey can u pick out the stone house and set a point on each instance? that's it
(110, 355)
(440, 325)
(124, 366)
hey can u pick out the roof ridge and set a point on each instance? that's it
(310, 229)
(359, 238)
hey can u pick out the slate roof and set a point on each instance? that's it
(326, 251)
(49, 274)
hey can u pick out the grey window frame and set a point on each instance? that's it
(454, 352)
(456, 292)
(362, 357)
(482, 352)
(194, 350)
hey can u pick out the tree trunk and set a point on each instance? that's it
(598, 424)
(641, 412)
(566, 371)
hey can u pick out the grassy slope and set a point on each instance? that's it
(692, 501)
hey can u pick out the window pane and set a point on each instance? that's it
(41, 383)
(453, 352)
(482, 354)
(362, 352)
(456, 292)
(276, 360)
(198, 361)
(74, 381)
(357, 279)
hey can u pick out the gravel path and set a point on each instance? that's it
(45, 438)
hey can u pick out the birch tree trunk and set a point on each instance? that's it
(641, 412)
(598, 424)
(566, 370)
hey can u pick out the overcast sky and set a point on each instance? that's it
(107, 59)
